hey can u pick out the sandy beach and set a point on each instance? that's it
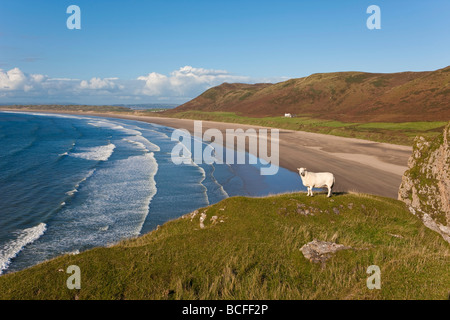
(358, 165)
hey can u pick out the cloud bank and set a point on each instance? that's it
(186, 81)
(179, 86)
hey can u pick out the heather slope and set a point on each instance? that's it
(344, 96)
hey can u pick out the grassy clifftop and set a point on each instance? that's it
(249, 248)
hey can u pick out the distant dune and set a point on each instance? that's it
(344, 96)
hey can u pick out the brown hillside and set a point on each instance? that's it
(345, 96)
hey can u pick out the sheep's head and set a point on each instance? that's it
(301, 171)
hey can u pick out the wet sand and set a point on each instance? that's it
(358, 165)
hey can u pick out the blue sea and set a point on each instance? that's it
(70, 183)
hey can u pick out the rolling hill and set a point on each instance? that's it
(343, 96)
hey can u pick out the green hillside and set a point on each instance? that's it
(249, 248)
(342, 96)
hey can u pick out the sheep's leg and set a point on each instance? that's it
(329, 192)
(310, 188)
(307, 194)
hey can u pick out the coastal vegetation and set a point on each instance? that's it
(402, 133)
(348, 97)
(383, 107)
(249, 248)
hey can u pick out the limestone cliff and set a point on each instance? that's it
(425, 186)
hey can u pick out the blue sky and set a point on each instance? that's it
(170, 51)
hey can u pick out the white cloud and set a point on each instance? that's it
(38, 77)
(155, 84)
(62, 79)
(98, 83)
(13, 79)
(179, 86)
(186, 81)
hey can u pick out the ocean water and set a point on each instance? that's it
(71, 183)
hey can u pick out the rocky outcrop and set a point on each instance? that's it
(320, 251)
(425, 186)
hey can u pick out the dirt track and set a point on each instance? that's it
(358, 165)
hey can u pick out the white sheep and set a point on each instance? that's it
(316, 180)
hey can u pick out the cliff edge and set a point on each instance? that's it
(425, 186)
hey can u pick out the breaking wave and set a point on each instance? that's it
(11, 249)
(101, 153)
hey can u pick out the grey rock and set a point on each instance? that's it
(305, 212)
(320, 251)
(425, 186)
(202, 219)
(193, 214)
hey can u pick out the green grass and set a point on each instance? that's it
(380, 83)
(358, 78)
(255, 254)
(402, 133)
(409, 126)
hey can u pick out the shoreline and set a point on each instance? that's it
(124, 187)
(375, 168)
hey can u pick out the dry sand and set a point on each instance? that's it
(358, 165)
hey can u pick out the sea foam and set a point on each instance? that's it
(100, 153)
(75, 190)
(119, 194)
(11, 249)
